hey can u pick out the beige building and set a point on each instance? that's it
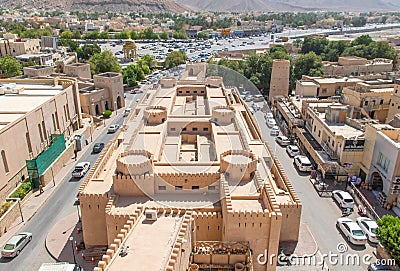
(279, 85)
(372, 96)
(31, 111)
(16, 47)
(320, 87)
(330, 124)
(189, 183)
(394, 107)
(353, 65)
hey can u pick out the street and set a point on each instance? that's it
(320, 214)
(58, 205)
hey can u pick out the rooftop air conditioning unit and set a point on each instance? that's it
(151, 215)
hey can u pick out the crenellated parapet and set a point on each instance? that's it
(225, 196)
(223, 115)
(135, 162)
(239, 164)
(181, 243)
(133, 185)
(156, 114)
(214, 81)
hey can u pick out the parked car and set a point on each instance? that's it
(369, 227)
(271, 123)
(16, 243)
(81, 169)
(98, 147)
(269, 115)
(351, 231)
(378, 267)
(302, 163)
(274, 131)
(292, 150)
(343, 198)
(113, 128)
(127, 111)
(282, 140)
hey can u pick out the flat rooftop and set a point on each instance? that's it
(30, 96)
(150, 243)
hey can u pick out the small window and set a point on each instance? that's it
(205, 129)
(178, 187)
(211, 187)
(195, 92)
(319, 133)
(187, 91)
(184, 129)
(194, 129)
(381, 102)
(315, 128)
(173, 129)
(162, 187)
(195, 187)
(5, 163)
(202, 91)
(180, 91)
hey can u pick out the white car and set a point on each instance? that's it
(369, 227)
(274, 131)
(282, 140)
(14, 246)
(269, 115)
(343, 198)
(81, 169)
(271, 123)
(113, 128)
(351, 231)
(292, 150)
(302, 163)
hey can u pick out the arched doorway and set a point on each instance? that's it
(376, 181)
(119, 102)
(191, 72)
(97, 110)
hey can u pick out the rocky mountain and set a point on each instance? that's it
(97, 5)
(291, 5)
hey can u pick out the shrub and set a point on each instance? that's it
(389, 235)
(22, 190)
(106, 114)
(4, 207)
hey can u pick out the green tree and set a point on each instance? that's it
(148, 33)
(10, 66)
(104, 35)
(76, 34)
(94, 35)
(104, 62)
(71, 45)
(149, 61)
(164, 35)
(175, 58)
(122, 35)
(203, 35)
(132, 74)
(134, 35)
(308, 64)
(66, 34)
(180, 35)
(87, 51)
(316, 45)
(362, 40)
(389, 235)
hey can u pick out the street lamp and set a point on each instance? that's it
(116, 109)
(72, 246)
(77, 203)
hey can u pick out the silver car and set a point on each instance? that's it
(14, 246)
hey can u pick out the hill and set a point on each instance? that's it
(291, 5)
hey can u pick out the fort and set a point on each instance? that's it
(188, 184)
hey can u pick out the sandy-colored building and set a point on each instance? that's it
(78, 70)
(394, 107)
(189, 182)
(353, 65)
(31, 111)
(330, 124)
(320, 87)
(279, 85)
(372, 96)
(16, 47)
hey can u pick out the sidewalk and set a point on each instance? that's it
(32, 205)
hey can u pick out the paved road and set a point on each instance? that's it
(58, 205)
(319, 213)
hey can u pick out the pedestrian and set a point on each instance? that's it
(40, 189)
(75, 154)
